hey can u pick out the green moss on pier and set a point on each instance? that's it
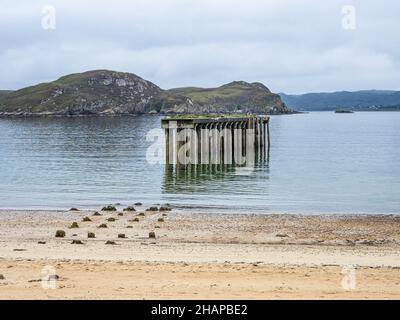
(208, 116)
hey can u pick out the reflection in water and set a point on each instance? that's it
(203, 178)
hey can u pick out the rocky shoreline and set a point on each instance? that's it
(103, 114)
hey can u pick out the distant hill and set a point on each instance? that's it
(358, 100)
(111, 92)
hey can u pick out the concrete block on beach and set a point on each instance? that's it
(74, 225)
(152, 235)
(109, 208)
(60, 234)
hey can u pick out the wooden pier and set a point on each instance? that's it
(215, 140)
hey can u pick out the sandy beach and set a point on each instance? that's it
(199, 256)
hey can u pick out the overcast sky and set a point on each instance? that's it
(291, 46)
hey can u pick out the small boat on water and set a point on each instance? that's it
(343, 111)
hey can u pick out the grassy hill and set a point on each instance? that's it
(111, 92)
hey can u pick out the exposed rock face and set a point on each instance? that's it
(110, 92)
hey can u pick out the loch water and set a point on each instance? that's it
(319, 162)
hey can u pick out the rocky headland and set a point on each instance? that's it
(103, 92)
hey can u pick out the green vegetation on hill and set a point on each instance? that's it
(209, 115)
(230, 91)
(4, 93)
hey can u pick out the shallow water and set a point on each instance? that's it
(319, 162)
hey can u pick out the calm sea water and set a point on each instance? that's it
(319, 162)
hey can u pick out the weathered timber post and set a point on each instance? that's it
(205, 144)
(193, 145)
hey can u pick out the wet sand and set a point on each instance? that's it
(200, 256)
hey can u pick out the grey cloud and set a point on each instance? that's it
(291, 46)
